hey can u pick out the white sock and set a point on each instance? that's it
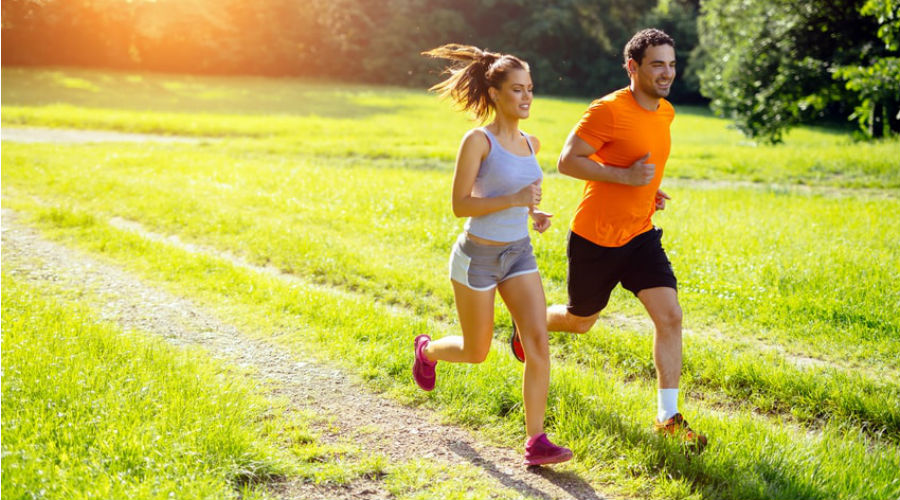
(667, 404)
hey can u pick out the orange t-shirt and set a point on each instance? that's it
(621, 132)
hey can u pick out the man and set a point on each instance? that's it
(620, 148)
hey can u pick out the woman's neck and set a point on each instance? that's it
(503, 126)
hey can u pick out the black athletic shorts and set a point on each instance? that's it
(595, 270)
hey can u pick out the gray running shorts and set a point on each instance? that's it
(481, 267)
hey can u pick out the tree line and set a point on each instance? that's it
(766, 64)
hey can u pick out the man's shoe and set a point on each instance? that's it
(515, 343)
(678, 426)
(423, 370)
(540, 451)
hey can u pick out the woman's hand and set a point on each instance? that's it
(529, 196)
(541, 220)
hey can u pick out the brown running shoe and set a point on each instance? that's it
(678, 426)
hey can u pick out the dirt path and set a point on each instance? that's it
(399, 432)
(72, 136)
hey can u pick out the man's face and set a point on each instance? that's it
(656, 72)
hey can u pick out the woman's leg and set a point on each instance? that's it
(476, 318)
(524, 297)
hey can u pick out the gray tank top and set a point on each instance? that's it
(502, 173)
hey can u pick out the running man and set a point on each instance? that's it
(620, 148)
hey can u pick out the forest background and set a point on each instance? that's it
(768, 65)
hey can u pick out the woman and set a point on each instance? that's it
(497, 186)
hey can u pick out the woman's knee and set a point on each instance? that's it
(476, 354)
(536, 345)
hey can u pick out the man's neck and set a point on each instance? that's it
(645, 101)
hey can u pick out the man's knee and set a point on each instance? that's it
(581, 324)
(669, 318)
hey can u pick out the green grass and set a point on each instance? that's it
(602, 413)
(772, 281)
(91, 412)
(290, 117)
(787, 276)
(711, 149)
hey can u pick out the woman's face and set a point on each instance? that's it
(515, 94)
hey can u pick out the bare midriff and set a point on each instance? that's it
(482, 241)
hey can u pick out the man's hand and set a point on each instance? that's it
(639, 173)
(541, 220)
(661, 198)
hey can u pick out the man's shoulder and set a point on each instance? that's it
(666, 110)
(666, 107)
(605, 109)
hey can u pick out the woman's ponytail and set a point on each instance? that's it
(472, 72)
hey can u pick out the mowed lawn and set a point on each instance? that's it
(787, 259)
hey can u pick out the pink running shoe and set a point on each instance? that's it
(423, 370)
(540, 451)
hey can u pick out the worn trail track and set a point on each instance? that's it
(376, 423)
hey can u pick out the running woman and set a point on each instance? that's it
(496, 186)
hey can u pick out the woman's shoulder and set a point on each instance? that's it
(477, 138)
(535, 142)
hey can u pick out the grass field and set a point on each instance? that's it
(787, 258)
(91, 412)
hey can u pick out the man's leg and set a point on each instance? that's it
(662, 304)
(593, 273)
(559, 319)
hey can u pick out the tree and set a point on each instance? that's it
(769, 64)
(878, 83)
(573, 46)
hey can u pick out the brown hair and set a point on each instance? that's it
(650, 37)
(472, 72)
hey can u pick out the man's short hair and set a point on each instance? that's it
(650, 37)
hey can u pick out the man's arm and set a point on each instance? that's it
(574, 162)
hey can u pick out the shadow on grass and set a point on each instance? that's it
(567, 481)
(720, 472)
